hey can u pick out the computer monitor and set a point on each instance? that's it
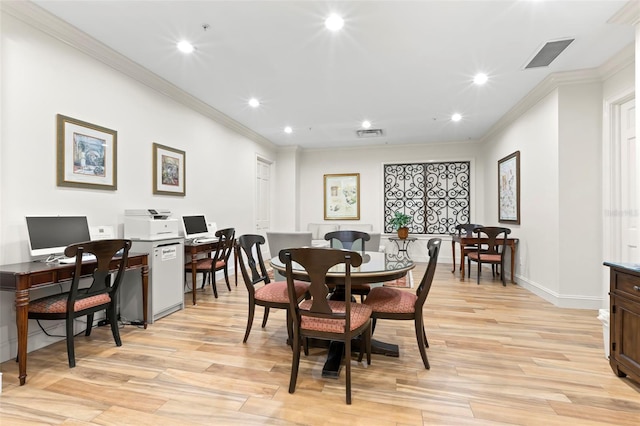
(195, 226)
(50, 235)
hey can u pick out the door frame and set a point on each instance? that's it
(611, 223)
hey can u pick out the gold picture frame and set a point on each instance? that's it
(509, 189)
(169, 171)
(86, 155)
(342, 196)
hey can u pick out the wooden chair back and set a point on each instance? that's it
(348, 240)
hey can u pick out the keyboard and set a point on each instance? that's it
(204, 240)
(85, 257)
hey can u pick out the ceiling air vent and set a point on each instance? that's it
(370, 133)
(548, 53)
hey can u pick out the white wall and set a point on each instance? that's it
(580, 206)
(368, 161)
(535, 135)
(42, 77)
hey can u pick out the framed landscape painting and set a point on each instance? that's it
(86, 155)
(342, 197)
(168, 171)
(509, 189)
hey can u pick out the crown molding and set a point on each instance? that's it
(620, 60)
(629, 14)
(38, 18)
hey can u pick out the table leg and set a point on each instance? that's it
(145, 292)
(331, 368)
(462, 255)
(513, 263)
(453, 254)
(22, 324)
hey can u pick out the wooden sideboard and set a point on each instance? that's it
(624, 332)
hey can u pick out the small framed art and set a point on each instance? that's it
(509, 188)
(86, 155)
(168, 171)
(342, 197)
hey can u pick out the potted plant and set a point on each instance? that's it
(400, 222)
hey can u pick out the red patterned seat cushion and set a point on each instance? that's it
(57, 304)
(205, 264)
(277, 291)
(391, 300)
(359, 315)
(484, 257)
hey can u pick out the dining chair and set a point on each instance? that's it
(392, 303)
(319, 317)
(466, 229)
(101, 295)
(351, 240)
(263, 292)
(218, 260)
(493, 251)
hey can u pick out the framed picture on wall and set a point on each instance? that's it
(86, 155)
(168, 171)
(509, 189)
(342, 197)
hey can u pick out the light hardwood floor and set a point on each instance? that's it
(498, 356)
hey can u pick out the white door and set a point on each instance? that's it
(263, 205)
(629, 185)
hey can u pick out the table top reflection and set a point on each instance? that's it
(375, 265)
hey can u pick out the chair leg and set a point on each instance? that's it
(204, 279)
(226, 277)
(215, 289)
(373, 325)
(347, 362)
(295, 362)
(71, 354)
(111, 317)
(504, 282)
(252, 310)
(265, 317)
(368, 343)
(420, 335)
(479, 268)
(89, 325)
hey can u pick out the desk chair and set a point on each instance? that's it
(79, 302)
(467, 230)
(352, 240)
(219, 261)
(493, 251)
(319, 317)
(391, 303)
(269, 294)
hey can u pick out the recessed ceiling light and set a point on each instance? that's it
(480, 79)
(288, 130)
(366, 124)
(185, 47)
(254, 103)
(334, 22)
(456, 117)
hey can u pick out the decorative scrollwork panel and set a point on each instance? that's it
(436, 195)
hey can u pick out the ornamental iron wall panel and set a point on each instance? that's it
(436, 195)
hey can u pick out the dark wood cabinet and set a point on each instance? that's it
(624, 333)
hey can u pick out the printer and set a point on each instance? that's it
(149, 224)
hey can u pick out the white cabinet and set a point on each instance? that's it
(166, 281)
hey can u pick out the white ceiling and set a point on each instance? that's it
(404, 65)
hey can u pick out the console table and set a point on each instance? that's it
(22, 277)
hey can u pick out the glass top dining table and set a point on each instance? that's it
(376, 267)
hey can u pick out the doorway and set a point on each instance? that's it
(263, 198)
